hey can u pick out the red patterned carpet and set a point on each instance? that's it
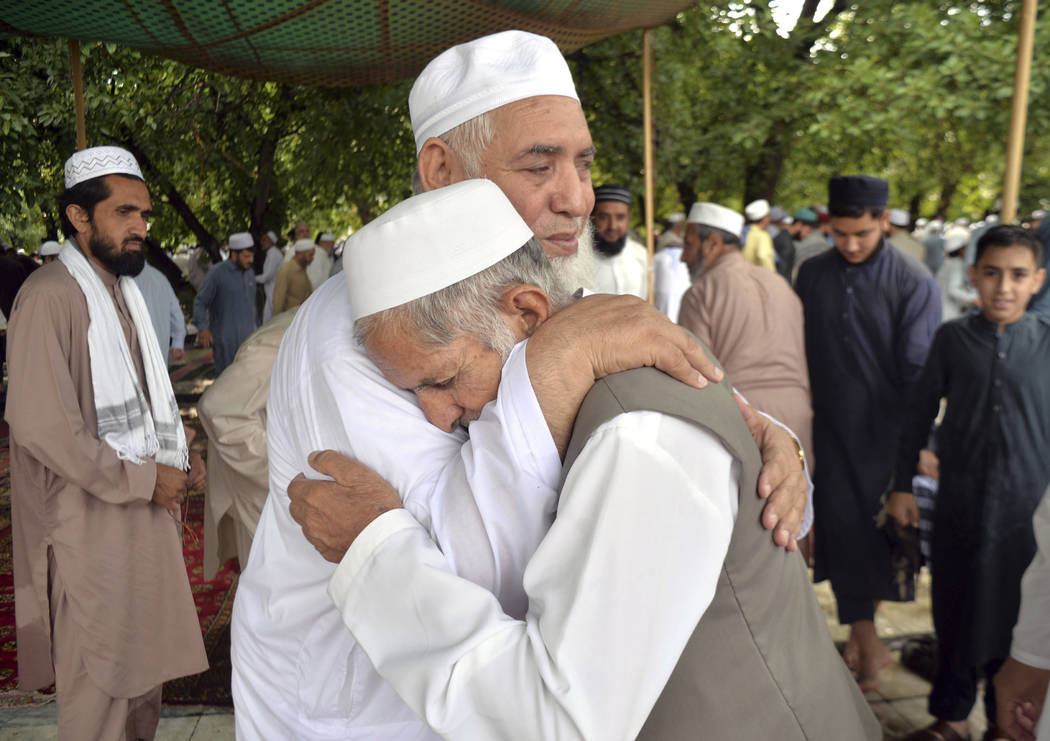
(214, 600)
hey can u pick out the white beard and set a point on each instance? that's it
(577, 270)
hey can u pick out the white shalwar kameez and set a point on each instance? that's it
(1031, 643)
(297, 671)
(617, 588)
(320, 268)
(625, 273)
(670, 281)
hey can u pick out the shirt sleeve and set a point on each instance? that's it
(649, 494)
(177, 320)
(922, 410)
(204, 298)
(499, 490)
(43, 407)
(1031, 642)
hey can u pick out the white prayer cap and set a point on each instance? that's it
(676, 218)
(936, 224)
(962, 221)
(303, 245)
(757, 210)
(1038, 214)
(993, 219)
(720, 217)
(50, 247)
(921, 222)
(954, 241)
(899, 217)
(429, 242)
(482, 75)
(272, 236)
(98, 161)
(326, 237)
(241, 241)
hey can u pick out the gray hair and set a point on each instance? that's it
(469, 141)
(703, 231)
(471, 307)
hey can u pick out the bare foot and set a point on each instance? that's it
(873, 656)
(851, 654)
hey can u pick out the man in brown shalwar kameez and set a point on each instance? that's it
(98, 469)
(749, 317)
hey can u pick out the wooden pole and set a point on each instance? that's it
(647, 128)
(1018, 113)
(78, 92)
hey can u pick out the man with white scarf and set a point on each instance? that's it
(99, 461)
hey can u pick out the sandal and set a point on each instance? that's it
(939, 731)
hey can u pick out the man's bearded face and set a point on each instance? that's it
(117, 226)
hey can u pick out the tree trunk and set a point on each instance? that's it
(175, 199)
(945, 201)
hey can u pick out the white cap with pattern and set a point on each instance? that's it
(98, 161)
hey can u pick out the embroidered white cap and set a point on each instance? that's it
(481, 75)
(302, 245)
(720, 217)
(430, 242)
(326, 237)
(241, 241)
(50, 247)
(757, 210)
(272, 236)
(98, 161)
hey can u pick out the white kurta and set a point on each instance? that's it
(626, 273)
(670, 281)
(297, 672)
(1031, 643)
(271, 265)
(320, 268)
(617, 588)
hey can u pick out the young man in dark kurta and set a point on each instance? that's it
(870, 313)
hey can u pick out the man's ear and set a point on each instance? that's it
(525, 307)
(438, 165)
(1040, 277)
(78, 217)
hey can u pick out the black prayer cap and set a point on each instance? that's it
(612, 193)
(857, 190)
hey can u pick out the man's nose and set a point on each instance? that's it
(439, 410)
(573, 194)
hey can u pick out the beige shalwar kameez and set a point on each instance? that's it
(233, 413)
(752, 321)
(118, 585)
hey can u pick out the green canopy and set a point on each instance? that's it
(322, 42)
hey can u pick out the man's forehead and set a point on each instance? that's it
(544, 124)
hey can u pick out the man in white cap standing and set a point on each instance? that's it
(621, 265)
(98, 470)
(900, 235)
(758, 245)
(671, 236)
(48, 251)
(505, 107)
(320, 269)
(224, 310)
(671, 276)
(748, 317)
(272, 261)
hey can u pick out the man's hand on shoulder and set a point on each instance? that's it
(600, 335)
(170, 489)
(333, 513)
(782, 480)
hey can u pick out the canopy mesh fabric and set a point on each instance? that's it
(322, 42)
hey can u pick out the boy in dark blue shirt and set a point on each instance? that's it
(994, 447)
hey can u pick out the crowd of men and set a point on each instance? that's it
(596, 559)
